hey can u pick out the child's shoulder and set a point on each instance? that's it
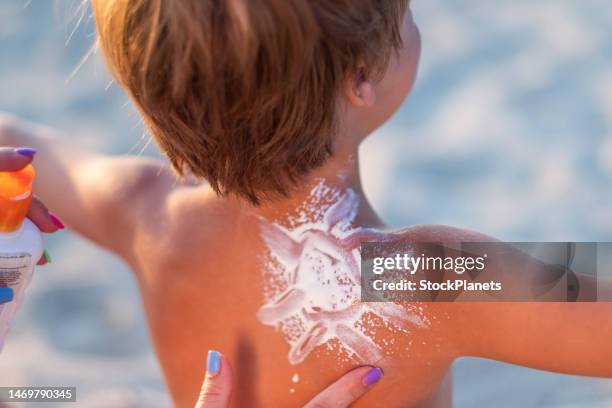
(178, 211)
(133, 186)
(150, 187)
(425, 233)
(161, 213)
(134, 176)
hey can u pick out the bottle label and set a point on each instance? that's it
(13, 267)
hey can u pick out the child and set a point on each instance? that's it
(268, 101)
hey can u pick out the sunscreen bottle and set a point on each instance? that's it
(21, 243)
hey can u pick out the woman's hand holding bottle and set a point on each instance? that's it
(16, 159)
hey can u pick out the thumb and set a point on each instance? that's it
(217, 387)
(15, 159)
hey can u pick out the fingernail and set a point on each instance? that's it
(56, 221)
(213, 362)
(47, 256)
(372, 377)
(6, 295)
(26, 151)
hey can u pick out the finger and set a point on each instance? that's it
(347, 389)
(217, 387)
(15, 159)
(45, 220)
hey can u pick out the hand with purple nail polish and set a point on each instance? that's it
(217, 387)
(13, 159)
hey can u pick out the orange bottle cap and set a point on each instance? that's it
(15, 197)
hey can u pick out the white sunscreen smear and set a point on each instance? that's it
(312, 280)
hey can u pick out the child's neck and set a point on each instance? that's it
(339, 176)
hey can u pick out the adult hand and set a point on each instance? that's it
(217, 387)
(13, 159)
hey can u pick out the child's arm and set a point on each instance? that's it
(573, 338)
(569, 337)
(101, 197)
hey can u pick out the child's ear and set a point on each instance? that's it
(359, 89)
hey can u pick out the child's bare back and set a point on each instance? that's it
(225, 284)
(215, 273)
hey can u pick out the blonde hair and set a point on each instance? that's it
(243, 92)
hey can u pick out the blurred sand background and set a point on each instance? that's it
(508, 131)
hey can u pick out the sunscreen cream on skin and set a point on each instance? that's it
(21, 243)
